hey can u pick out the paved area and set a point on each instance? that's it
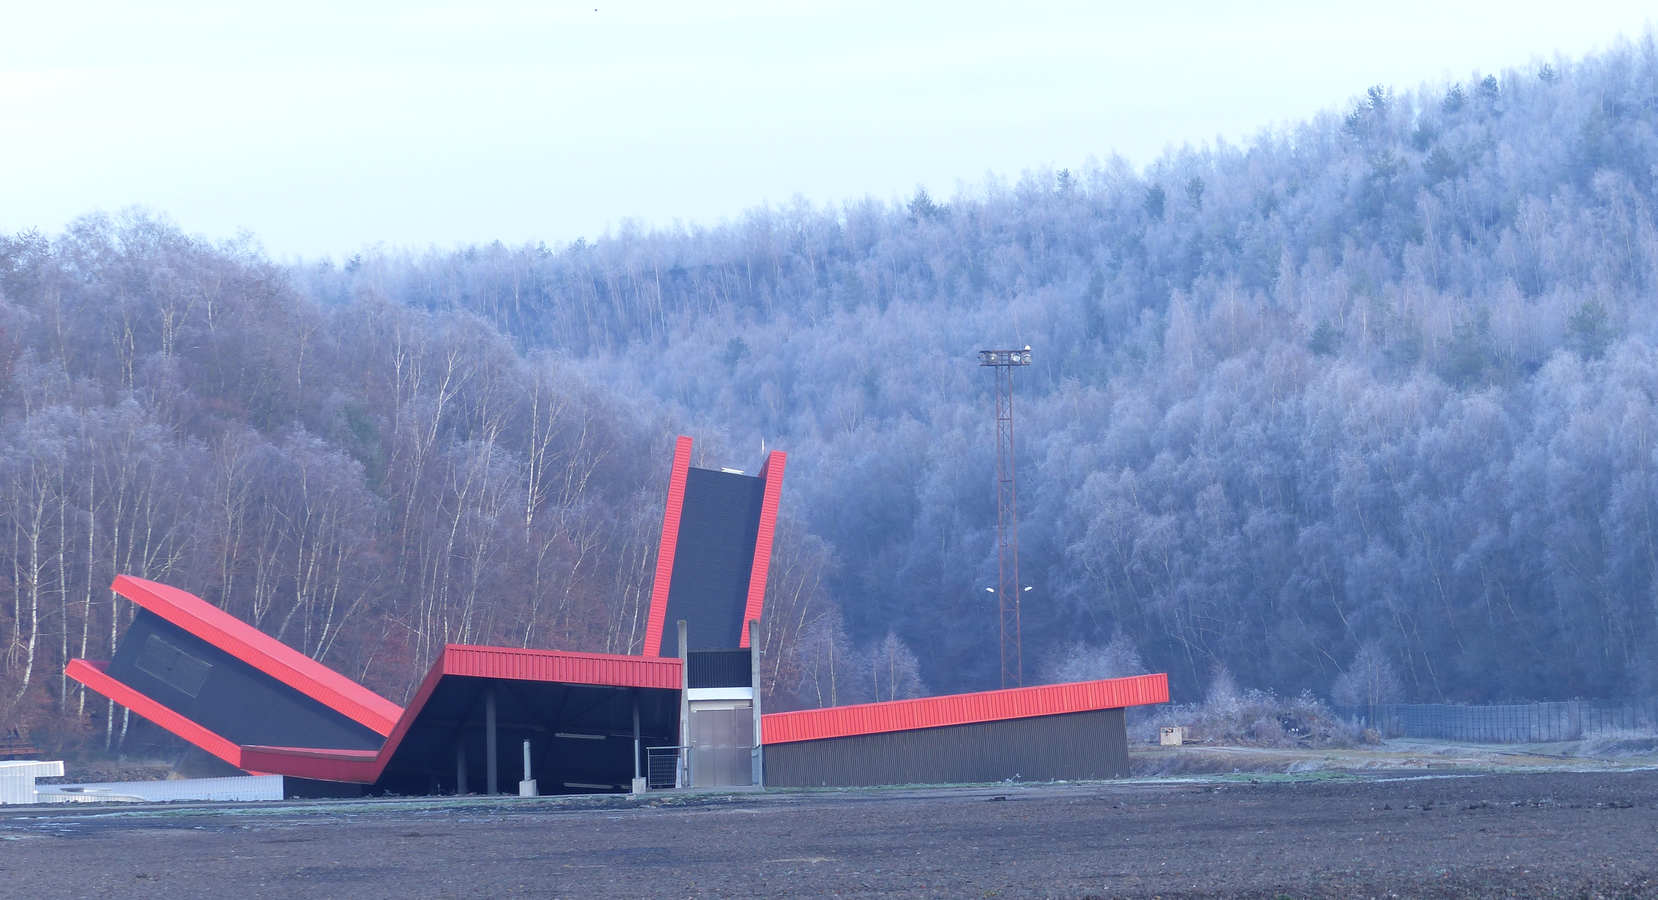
(1521, 835)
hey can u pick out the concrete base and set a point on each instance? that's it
(639, 786)
(527, 789)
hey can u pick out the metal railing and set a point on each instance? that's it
(1512, 723)
(664, 767)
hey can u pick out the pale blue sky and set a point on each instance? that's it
(324, 127)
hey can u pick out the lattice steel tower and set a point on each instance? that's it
(1007, 514)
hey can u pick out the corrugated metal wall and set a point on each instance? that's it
(17, 778)
(560, 666)
(234, 788)
(961, 709)
(1044, 748)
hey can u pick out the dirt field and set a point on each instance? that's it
(1506, 834)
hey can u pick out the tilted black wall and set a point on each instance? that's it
(225, 695)
(1042, 748)
(713, 559)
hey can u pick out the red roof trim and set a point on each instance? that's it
(261, 651)
(95, 675)
(771, 472)
(963, 709)
(562, 666)
(665, 547)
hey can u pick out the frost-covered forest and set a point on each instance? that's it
(1365, 404)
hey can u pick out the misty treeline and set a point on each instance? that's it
(1364, 407)
(365, 481)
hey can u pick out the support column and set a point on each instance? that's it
(682, 776)
(757, 756)
(491, 785)
(526, 787)
(639, 784)
(460, 765)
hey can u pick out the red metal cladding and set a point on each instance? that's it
(665, 548)
(263, 652)
(95, 676)
(771, 472)
(963, 709)
(561, 666)
(349, 766)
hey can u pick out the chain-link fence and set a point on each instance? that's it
(1565, 720)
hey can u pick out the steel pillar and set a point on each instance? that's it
(759, 763)
(490, 782)
(460, 765)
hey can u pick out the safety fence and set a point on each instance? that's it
(664, 766)
(1563, 720)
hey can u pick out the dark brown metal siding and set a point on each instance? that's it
(1043, 748)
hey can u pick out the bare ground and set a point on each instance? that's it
(1399, 757)
(1506, 834)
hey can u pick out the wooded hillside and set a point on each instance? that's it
(1372, 396)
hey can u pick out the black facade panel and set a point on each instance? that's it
(718, 668)
(1042, 748)
(718, 525)
(224, 694)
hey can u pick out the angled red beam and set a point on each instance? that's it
(963, 709)
(771, 473)
(263, 652)
(665, 548)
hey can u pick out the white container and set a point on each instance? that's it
(17, 778)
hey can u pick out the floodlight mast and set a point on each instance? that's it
(1007, 514)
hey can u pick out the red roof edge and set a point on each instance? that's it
(263, 652)
(95, 675)
(665, 547)
(963, 709)
(771, 472)
(563, 666)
